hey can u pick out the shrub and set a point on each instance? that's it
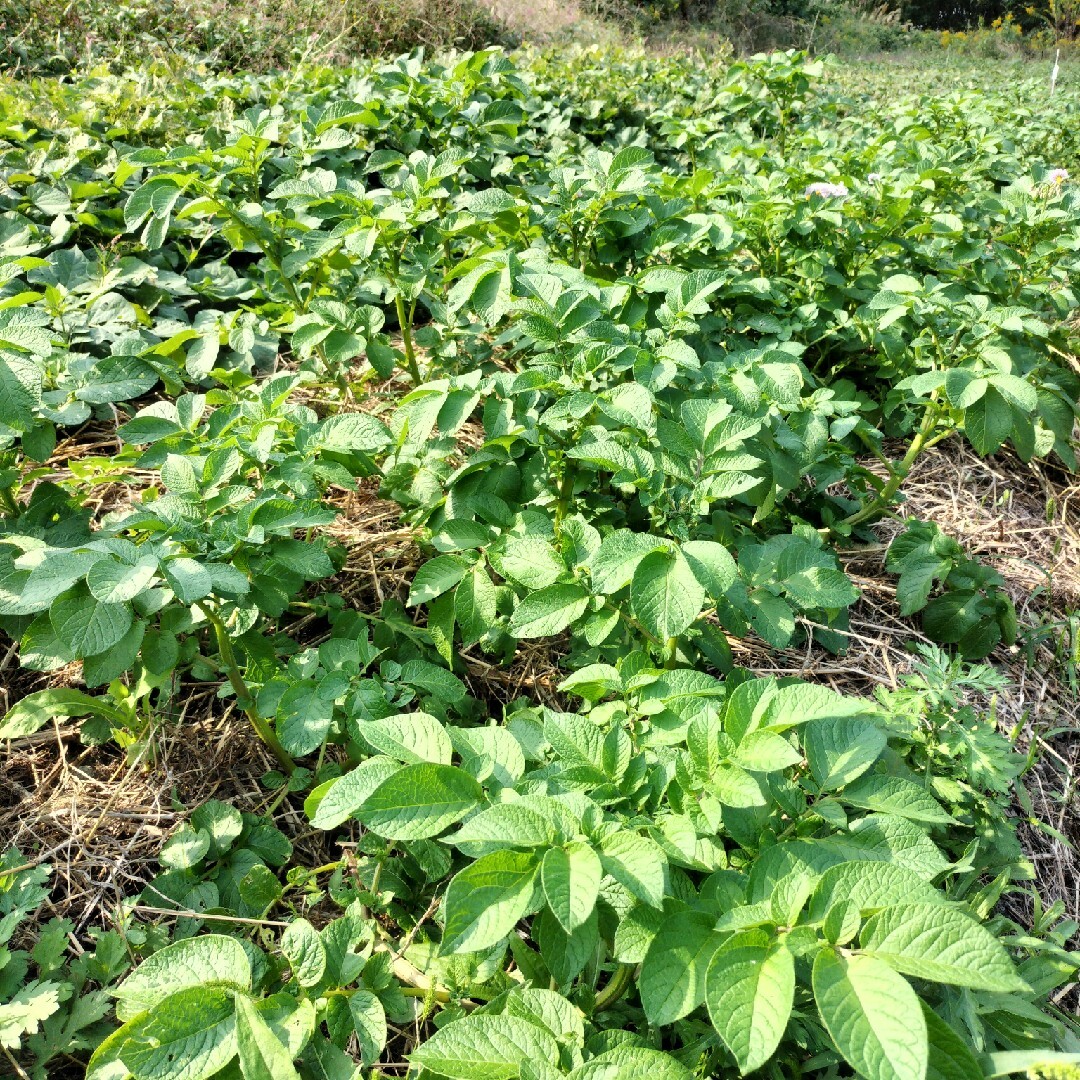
(41, 38)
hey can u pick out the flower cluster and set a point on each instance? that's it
(827, 191)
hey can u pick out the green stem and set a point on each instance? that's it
(669, 650)
(566, 492)
(900, 472)
(243, 694)
(616, 987)
(406, 337)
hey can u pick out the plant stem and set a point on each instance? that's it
(406, 337)
(566, 492)
(243, 694)
(900, 472)
(616, 987)
(669, 649)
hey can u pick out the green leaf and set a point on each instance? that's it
(486, 1048)
(190, 1035)
(612, 565)
(304, 950)
(638, 863)
(190, 580)
(712, 565)
(571, 879)
(348, 432)
(750, 991)
(941, 944)
(369, 1022)
(665, 594)
(532, 821)
(873, 1016)
(262, 1055)
(533, 563)
(632, 1062)
(192, 962)
(950, 1057)
(548, 611)
(420, 801)
(672, 979)
(821, 587)
(345, 795)
(86, 625)
(20, 391)
(988, 422)
(435, 577)
(410, 737)
(475, 605)
(840, 749)
(566, 954)
(895, 795)
(485, 900)
(35, 710)
(765, 751)
(302, 719)
(114, 582)
(870, 885)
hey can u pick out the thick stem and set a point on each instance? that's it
(406, 337)
(566, 492)
(243, 694)
(616, 987)
(900, 472)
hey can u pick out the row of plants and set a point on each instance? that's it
(637, 347)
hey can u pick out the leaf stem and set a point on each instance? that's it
(899, 472)
(406, 337)
(616, 987)
(243, 694)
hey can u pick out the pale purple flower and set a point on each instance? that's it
(827, 191)
(874, 178)
(1057, 176)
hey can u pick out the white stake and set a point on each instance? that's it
(1054, 73)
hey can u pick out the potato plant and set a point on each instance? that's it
(638, 347)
